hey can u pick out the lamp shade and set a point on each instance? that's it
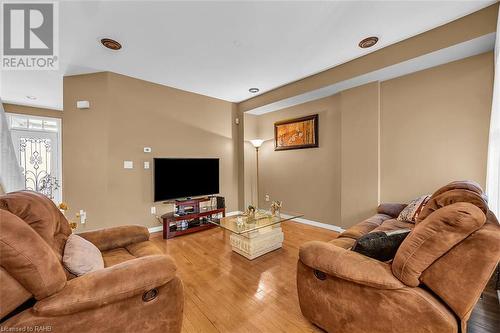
(257, 142)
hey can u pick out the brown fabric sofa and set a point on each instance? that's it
(432, 284)
(137, 291)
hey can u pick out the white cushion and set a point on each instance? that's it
(81, 256)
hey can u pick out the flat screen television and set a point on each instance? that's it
(176, 178)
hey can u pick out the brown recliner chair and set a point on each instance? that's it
(432, 284)
(137, 291)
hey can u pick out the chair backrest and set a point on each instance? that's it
(454, 247)
(41, 214)
(33, 233)
(460, 191)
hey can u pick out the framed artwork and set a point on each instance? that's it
(296, 133)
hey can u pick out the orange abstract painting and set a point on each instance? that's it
(296, 133)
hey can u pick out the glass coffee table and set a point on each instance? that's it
(253, 236)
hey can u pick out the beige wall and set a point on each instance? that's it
(306, 180)
(126, 115)
(435, 127)
(388, 141)
(359, 109)
(393, 140)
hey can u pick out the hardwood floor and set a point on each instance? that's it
(225, 292)
(486, 314)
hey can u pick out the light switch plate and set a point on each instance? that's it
(128, 164)
(83, 104)
(83, 216)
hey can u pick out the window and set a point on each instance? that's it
(37, 144)
(493, 174)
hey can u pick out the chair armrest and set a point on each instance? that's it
(391, 209)
(348, 265)
(112, 238)
(108, 285)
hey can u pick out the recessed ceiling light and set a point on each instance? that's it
(111, 44)
(30, 97)
(368, 42)
(253, 90)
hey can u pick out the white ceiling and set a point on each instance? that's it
(455, 52)
(221, 49)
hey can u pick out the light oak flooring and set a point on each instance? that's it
(486, 315)
(225, 292)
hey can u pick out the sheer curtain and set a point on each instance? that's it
(493, 174)
(11, 177)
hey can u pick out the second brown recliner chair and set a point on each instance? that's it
(137, 291)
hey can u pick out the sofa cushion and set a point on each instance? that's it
(411, 212)
(393, 224)
(116, 256)
(133, 251)
(433, 237)
(81, 256)
(391, 209)
(143, 249)
(365, 226)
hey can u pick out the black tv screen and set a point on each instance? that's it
(176, 178)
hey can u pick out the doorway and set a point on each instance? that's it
(37, 141)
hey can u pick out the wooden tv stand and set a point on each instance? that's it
(194, 215)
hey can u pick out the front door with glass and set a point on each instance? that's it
(36, 140)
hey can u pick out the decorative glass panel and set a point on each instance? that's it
(50, 125)
(35, 123)
(19, 122)
(35, 156)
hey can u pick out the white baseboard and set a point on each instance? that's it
(297, 219)
(316, 224)
(303, 221)
(155, 229)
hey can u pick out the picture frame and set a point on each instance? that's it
(297, 133)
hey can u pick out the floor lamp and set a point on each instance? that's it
(257, 143)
